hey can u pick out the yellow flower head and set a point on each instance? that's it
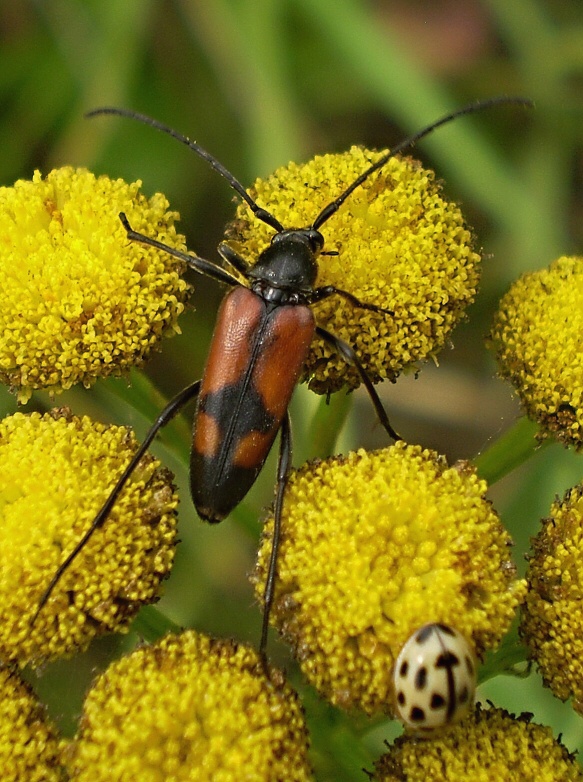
(552, 620)
(400, 246)
(57, 470)
(77, 299)
(190, 708)
(29, 747)
(375, 545)
(490, 746)
(537, 337)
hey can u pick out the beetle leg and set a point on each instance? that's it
(329, 290)
(349, 355)
(283, 467)
(207, 268)
(167, 414)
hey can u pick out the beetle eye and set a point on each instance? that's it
(316, 240)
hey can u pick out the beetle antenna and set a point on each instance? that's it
(410, 141)
(259, 212)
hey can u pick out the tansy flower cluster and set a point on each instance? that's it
(552, 620)
(77, 300)
(56, 472)
(30, 749)
(537, 338)
(490, 746)
(374, 546)
(190, 708)
(400, 245)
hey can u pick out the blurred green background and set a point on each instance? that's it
(263, 82)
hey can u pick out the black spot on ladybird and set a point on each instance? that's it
(437, 701)
(421, 678)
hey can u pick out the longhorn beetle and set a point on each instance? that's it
(261, 340)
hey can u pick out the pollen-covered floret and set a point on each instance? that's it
(490, 746)
(400, 245)
(190, 708)
(30, 749)
(77, 299)
(375, 545)
(537, 338)
(552, 618)
(57, 470)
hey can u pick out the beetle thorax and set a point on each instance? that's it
(286, 271)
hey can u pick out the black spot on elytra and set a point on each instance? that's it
(228, 399)
(437, 701)
(417, 714)
(401, 698)
(424, 634)
(421, 678)
(447, 660)
(404, 668)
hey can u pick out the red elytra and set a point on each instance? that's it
(253, 366)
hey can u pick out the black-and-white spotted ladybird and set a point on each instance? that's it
(434, 678)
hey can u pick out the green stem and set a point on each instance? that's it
(326, 425)
(151, 624)
(509, 451)
(317, 439)
(504, 660)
